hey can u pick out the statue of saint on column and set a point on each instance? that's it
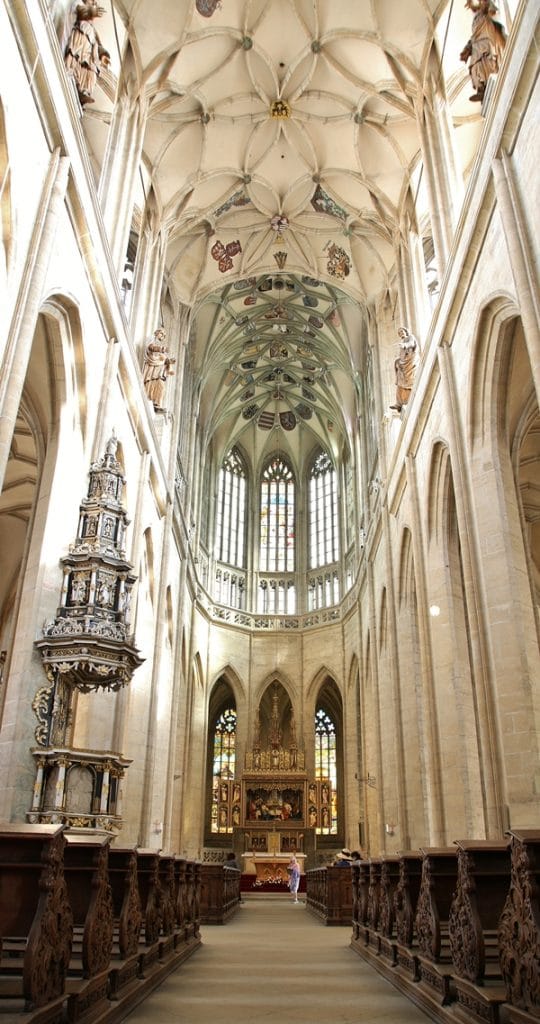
(85, 55)
(405, 367)
(157, 367)
(484, 49)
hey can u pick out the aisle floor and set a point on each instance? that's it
(274, 961)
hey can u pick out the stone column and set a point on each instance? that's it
(148, 282)
(38, 785)
(122, 699)
(119, 173)
(522, 262)
(104, 801)
(431, 739)
(59, 795)
(107, 398)
(397, 711)
(442, 183)
(23, 325)
(148, 809)
(376, 724)
(481, 670)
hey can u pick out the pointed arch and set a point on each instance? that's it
(329, 758)
(323, 526)
(489, 362)
(47, 427)
(221, 758)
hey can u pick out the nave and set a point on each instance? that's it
(274, 961)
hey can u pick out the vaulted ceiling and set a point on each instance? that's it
(281, 142)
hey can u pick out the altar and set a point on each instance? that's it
(270, 867)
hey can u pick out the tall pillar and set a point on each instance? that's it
(23, 324)
(148, 282)
(414, 305)
(482, 672)
(431, 739)
(443, 184)
(522, 262)
(119, 172)
(148, 809)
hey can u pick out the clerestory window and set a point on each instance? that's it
(323, 513)
(277, 538)
(231, 510)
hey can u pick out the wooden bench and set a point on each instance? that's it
(192, 903)
(519, 929)
(86, 869)
(405, 904)
(329, 894)
(437, 887)
(220, 893)
(150, 896)
(373, 904)
(124, 970)
(168, 910)
(387, 912)
(36, 923)
(482, 887)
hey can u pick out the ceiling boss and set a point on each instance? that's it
(280, 109)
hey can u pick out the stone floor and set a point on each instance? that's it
(275, 962)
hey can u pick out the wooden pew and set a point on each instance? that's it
(36, 923)
(329, 894)
(405, 904)
(168, 913)
(124, 974)
(150, 896)
(87, 877)
(187, 885)
(373, 904)
(437, 886)
(192, 903)
(180, 869)
(519, 930)
(220, 893)
(374, 885)
(482, 887)
(390, 876)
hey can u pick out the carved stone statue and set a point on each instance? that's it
(484, 48)
(157, 367)
(405, 367)
(85, 55)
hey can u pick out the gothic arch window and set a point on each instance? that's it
(223, 765)
(326, 764)
(231, 510)
(323, 512)
(277, 538)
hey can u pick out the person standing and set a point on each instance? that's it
(294, 877)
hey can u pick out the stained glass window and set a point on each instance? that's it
(326, 769)
(223, 763)
(277, 517)
(323, 513)
(231, 510)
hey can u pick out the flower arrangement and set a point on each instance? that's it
(269, 880)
